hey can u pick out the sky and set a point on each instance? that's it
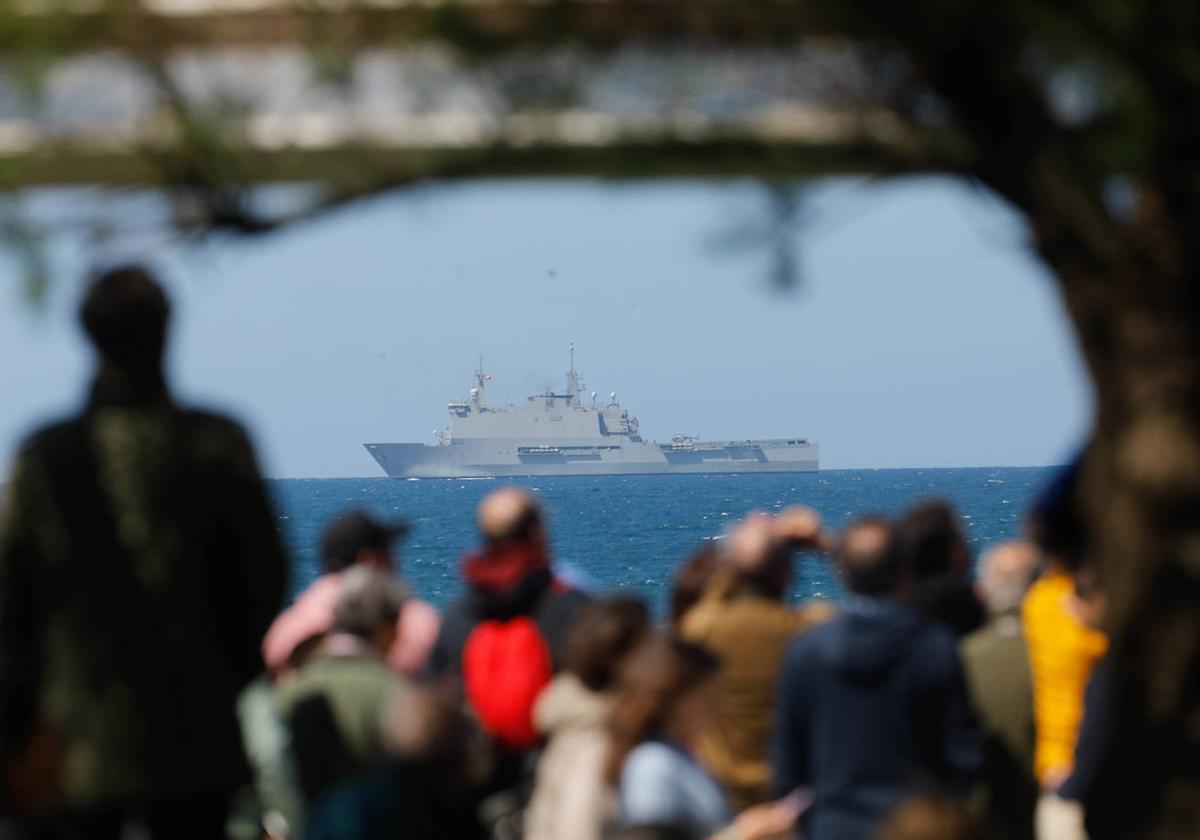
(922, 333)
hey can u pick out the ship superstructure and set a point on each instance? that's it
(564, 433)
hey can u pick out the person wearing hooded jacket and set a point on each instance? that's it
(510, 575)
(504, 638)
(571, 797)
(873, 705)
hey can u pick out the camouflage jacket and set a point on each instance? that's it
(139, 568)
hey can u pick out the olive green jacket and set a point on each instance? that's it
(139, 568)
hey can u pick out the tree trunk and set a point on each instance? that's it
(1140, 335)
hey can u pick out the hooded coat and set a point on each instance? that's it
(872, 708)
(571, 797)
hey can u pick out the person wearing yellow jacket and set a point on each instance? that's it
(1062, 653)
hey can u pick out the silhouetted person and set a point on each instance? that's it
(354, 539)
(1095, 780)
(872, 704)
(744, 619)
(139, 567)
(935, 551)
(1001, 687)
(505, 637)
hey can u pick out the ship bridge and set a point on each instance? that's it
(547, 417)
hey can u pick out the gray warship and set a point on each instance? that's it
(565, 433)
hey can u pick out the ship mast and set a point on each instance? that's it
(478, 393)
(572, 380)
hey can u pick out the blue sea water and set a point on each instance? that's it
(632, 532)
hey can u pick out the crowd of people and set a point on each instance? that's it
(153, 684)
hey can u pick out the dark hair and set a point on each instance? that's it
(930, 540)
(602, 636)
(370, 598)
(691, 580)
(771, 577)
(655, 677)
(875, 572)
(125, 313)
(1055, 523)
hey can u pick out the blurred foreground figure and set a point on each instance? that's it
(426, 789)
(1063, 650)
(872, 704)
(664, 701)
(935, 552)
(139, 567)
(1001, 687)
(1094, 782)
(505, 638)
(571, 798)
(335, 705)
(744, 620)
(353, 540)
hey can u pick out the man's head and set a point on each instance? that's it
(369, 606)
(931, 541)
(760, 558)
(1005, 572)
(868, 560)
(510, 514)
(356, 538)
(124, 313)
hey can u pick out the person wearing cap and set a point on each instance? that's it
(744, 619)
(351, 540)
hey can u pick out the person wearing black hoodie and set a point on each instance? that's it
(872, 705)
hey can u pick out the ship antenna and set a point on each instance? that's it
(572, 380)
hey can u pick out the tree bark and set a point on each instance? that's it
(1141, 494)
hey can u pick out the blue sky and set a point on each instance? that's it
(924, 334)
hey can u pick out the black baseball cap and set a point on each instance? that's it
(353, 531)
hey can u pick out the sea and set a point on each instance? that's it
(630, 533)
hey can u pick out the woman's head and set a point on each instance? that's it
(663, 691)
(602, 636)
(369, 606)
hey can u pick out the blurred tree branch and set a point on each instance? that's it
(1083, 114)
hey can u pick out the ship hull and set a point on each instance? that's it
(500, 458)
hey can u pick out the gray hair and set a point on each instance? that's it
(369, 598)
(1005, 573)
